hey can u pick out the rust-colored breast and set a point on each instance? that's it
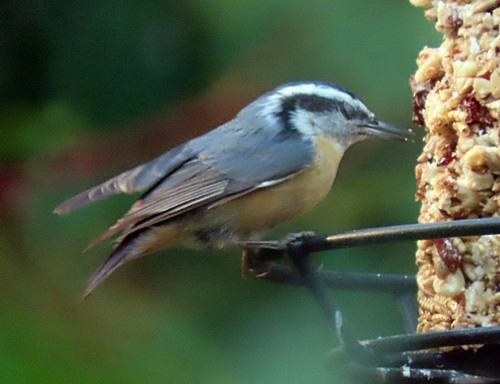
(259, 211)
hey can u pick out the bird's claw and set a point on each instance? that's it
(251, 266)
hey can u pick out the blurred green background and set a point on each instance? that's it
(90, 88)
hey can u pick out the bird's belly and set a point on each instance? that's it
(254, 214)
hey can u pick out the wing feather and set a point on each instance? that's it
(195, 184)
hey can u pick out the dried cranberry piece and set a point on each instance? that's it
(448, 253)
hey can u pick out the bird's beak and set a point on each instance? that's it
(386, 131)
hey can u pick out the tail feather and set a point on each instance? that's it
(125, 252)
(137, 179)
(134, 245)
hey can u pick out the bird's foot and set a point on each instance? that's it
(251, 266)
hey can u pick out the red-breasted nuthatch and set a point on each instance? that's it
(274, 161)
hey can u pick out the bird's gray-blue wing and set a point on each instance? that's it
(231, 161)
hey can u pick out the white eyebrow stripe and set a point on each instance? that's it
(272, 103)
(320, 90)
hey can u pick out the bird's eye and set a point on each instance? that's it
(352, 112)
(343, 110)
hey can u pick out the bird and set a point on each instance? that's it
(274, 161)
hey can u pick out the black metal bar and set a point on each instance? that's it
(483, 361)
(450, 338)
(308, 272)
(406, 375)
(397, 233)
(352, 281)
(412, 232)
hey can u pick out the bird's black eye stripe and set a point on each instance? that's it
(311, 103)
(315, 103)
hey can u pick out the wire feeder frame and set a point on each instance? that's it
(406, 358)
